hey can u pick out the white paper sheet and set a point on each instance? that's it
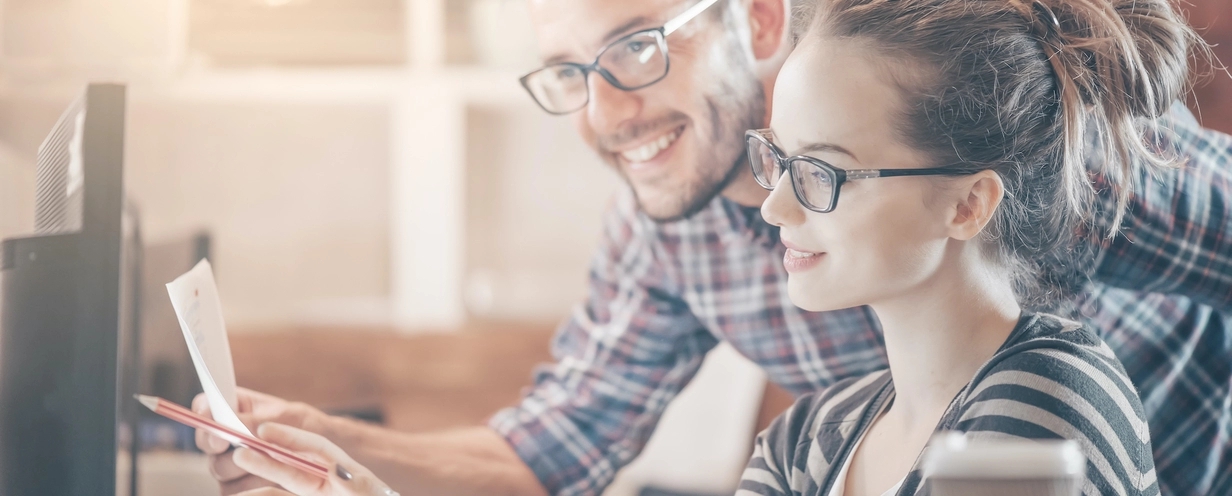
(195, 299)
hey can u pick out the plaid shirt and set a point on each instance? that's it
(662, 295)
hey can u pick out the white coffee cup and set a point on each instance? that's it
(957, 466)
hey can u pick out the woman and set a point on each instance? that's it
(981, 108)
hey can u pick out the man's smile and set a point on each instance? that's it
(651, 148)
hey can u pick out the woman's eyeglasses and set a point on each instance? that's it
(816, 182)
(630, 63)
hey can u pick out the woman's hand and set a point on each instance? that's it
(346, 477)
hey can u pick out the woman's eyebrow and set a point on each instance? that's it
(808, 147)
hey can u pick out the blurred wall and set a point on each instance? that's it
(292, 160)
(295, 196)
(535, 195)
(1212, 98)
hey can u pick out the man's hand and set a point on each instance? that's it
(346, 477)
(464, 462)
(254, 409)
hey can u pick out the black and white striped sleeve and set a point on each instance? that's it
(774, 449)
(1072, 391)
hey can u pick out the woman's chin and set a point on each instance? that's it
(816, 299)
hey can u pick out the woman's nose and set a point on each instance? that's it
(782, 208)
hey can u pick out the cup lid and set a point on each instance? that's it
(952, 455)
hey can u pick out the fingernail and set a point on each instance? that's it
(342, 473)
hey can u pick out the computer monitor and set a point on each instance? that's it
(68, 326)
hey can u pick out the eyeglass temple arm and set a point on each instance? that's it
(688, 15)
(863, 174)
(934, 171)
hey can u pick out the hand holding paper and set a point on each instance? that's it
(254, 409)
(195, 299)
(187, 417)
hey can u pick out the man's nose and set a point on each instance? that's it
(609, 106)
(782, 208)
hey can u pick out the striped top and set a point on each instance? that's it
(1052, 379)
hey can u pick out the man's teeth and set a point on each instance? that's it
(649, 150)
(800, 254)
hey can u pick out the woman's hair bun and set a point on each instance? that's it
(1126, 56)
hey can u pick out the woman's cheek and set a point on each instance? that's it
(904, 253)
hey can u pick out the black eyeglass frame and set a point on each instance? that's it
(838, 176)
(660, 36)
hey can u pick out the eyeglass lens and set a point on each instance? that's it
(635, 61)
(814, 184)
(764, 162)
(630, 63)
(559, 87)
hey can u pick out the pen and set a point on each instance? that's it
(188, 417)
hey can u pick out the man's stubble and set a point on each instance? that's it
(735, 103)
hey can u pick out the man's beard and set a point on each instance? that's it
(696, 196)
(734, 105)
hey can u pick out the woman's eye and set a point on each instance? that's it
(567, 73)
(635, 46)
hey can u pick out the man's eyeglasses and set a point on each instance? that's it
(630, 63)
(816, 182)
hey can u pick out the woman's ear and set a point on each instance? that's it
(767, 26)
(978, 197)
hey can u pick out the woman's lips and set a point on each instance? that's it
(799, 261)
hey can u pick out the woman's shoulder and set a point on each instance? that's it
(1060, 367)
(1056, 379)
(801, 443)
(1062, 352)
(1043, 326)
(841, 403)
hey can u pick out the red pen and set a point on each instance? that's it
(188, 417)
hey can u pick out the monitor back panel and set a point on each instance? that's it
(60, 328)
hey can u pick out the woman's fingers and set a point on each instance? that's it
(294, 479)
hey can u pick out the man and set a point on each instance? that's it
(686, 260)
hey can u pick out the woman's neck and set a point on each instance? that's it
(939, 334)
